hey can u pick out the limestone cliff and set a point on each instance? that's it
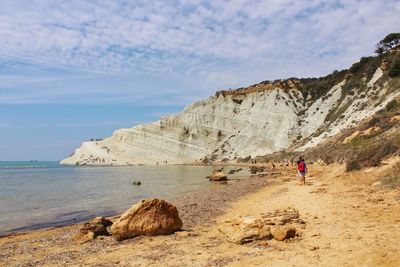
(252, 121)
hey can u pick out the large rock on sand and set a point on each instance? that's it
(218, 176)
(245, 230)
(278, 224)
(90, 230)
(281, 233)
(148, 217)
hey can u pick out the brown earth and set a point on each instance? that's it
(349, 221)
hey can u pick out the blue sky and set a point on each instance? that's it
(71, 70)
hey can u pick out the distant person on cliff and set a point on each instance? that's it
(302, 169)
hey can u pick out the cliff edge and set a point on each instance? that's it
(253, 121)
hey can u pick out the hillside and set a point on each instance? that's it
(272, 116)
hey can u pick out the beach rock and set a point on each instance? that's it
(182, 233)
(218, 176)
(101, 221)
(282, 217)
(137, 183)
(248, 229)
(281, 233)
(91, 230)
(83, 238)
(255, 169)
(233, 171)
(147, 217)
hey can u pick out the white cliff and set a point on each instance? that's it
(252, 121)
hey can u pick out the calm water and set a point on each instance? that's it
(41, 194)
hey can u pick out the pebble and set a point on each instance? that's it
(377, 183)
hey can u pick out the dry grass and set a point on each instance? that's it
(392, 178)
(352, 165)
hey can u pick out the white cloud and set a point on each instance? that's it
(203, 44)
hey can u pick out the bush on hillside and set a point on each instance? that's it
(391, 182)
(394, 70)
(392, 105)
(371, 156)
(392, 178)
(352, 165)
(390, 41)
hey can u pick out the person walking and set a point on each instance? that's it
(302, 170)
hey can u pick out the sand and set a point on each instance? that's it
(349, 222)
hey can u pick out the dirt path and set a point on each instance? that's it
(349, 222)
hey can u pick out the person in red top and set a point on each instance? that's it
(302, 169)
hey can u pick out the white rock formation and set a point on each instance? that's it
(236, 124)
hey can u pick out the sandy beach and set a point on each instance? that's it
(349, 220)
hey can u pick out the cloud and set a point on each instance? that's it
(89, 124)
(204, 45)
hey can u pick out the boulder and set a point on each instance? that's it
(282, 217)
(255, 169)
(278, 224)
(84, 237)
(218, 176)
(93, 229)
(281, 233)
(147, 217)
(245, 230)
(233, 171)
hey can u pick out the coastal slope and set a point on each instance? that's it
(257, 120)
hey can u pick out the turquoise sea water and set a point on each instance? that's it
(42, 194)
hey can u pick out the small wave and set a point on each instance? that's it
(27, 165)
(22, 167)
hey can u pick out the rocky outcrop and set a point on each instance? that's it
(245, 230)
(218, 176)
(249, 122)
(148, 217)
(279, 225)
(96, 227)
(283, 232)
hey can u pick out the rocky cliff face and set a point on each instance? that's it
(252, 121)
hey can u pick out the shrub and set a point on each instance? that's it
(391, 182)
(392, 105)
(328, 159)
(372, 156)
(356, 141)
(352, 165)
(394, 70)
(392, 178)
(355, 67)
(390, 41)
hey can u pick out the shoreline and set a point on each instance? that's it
(76, 216)
(180, 202)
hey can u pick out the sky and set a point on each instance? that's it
(80, 69)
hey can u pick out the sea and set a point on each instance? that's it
(39, 194)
